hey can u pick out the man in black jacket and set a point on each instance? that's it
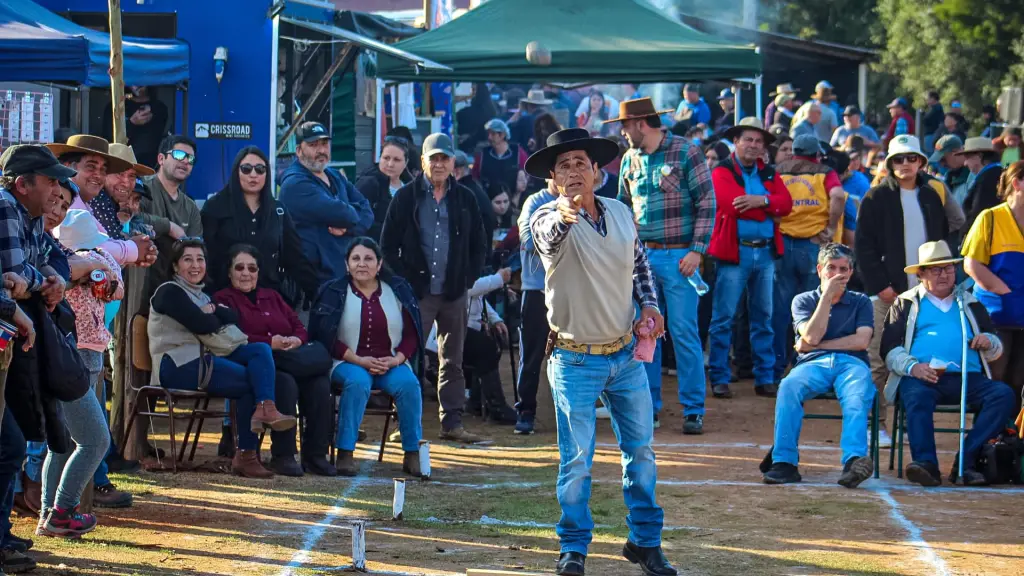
(982, 160)
(434, 238)
(895, 218)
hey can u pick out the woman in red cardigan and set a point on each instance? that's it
(264, 316)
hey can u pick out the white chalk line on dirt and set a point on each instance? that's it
(486, 520)
(916, 539)
(316, 532)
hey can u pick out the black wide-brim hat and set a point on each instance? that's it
(600, 150)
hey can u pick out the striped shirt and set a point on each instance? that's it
(670, 192)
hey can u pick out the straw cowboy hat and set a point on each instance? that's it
(92, 146)
(748, 123)
(932, 254)
(977, 145)
(639, 108)
(125, 152)
(542, 162)
(786, 88)
(536, 97)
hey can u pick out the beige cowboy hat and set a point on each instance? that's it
(932, 254)
(125, 152)
(976, 145)
(536, 97)
(93, 146)
(748, 123)
(639, 108)
(786, 88)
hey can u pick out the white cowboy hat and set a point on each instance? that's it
(80, 231)
(932, 254)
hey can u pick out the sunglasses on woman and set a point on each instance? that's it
(904, 159)
(182, 156)
(247, 169)
(243, 267)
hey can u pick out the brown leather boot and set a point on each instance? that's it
(266, 414)
(346, 465)
(30, 497)
(246, 464)
(411, 464)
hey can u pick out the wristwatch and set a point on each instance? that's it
(766, 201)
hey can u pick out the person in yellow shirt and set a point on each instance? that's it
(818, 203)
(994, 251)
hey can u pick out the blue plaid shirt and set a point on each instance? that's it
(21, 241)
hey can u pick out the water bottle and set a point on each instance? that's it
(698, 283)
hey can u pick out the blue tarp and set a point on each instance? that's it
(37, 45)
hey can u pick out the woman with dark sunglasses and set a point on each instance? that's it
(265, 317)
(245, 212)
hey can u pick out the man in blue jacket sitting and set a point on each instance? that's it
(327, 209)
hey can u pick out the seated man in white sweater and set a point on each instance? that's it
(595, 270)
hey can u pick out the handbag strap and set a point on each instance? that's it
(205, 367)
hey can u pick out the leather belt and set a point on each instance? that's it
(755, 243)
(660, 246)
(597, 349)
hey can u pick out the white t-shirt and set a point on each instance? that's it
(914, 233)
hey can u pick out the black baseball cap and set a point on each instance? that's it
(25, 159)
(141, 189)
(311, 132)
(851, 110)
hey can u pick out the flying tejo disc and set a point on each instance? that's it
(538, 54)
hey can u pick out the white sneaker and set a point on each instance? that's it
(603, 413)
(884, 441)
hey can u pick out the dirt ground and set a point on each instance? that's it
(494, 506)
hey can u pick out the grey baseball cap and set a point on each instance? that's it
(438, 143)
(807, 145)
(462, 159)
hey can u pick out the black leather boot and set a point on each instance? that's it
(571, 564)
(651, 560)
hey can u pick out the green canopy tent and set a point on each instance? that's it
(607, 42)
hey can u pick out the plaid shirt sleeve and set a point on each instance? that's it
(548, 229)
(643, 279)
(703, 200)
(13, 256)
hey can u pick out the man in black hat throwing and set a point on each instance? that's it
(327, 209)
(595, 270)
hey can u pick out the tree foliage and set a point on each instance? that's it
(840, 21)
(964, 49)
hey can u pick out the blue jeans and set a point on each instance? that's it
(66, 475)
(12, 453)
(680, 309)
(850, 378)
(756, 274)
(577, 381)
(246, 376)
(795, 273)
(400, 383)
(919, 399)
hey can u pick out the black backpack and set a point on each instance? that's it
(1000, 461)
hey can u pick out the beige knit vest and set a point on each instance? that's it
(589, 280)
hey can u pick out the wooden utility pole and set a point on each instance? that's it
(117, 72)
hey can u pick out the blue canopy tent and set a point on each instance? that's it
(37, 45)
